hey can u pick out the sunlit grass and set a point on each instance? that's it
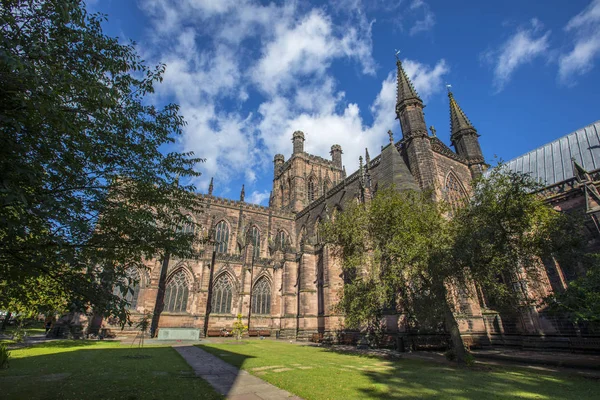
(316, 373)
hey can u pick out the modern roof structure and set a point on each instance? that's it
(552, 162)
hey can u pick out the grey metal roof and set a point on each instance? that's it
(551, 163)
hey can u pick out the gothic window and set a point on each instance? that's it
(325, 187)
(187, 226)
(311, 189)
(177, 292)
(222, 237)
(255, 240)
(132, 280)
(289, 190)
(222, 295)
(318, 230)
(281, 240)
(454, 192)
(281, 194)
(261, 297)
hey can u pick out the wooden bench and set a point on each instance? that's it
(218, 333)
(259, 332)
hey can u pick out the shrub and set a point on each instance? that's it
(239, 328)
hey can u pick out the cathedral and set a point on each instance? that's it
(269, 263)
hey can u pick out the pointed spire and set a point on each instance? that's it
(391, 136)
(367, 157)
(210, 187)
(406, 90)
(242, 194)
(458, 119)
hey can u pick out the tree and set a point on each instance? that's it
(406, 245)
(90, 181)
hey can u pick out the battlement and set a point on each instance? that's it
(246, 206)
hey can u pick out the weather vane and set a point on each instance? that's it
(397, 54)
(448, 86)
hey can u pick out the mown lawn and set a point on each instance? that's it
(100, 370)
(317, 373)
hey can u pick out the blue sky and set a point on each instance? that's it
(248, 73)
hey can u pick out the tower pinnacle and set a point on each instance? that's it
(458, 119)
(405, 89)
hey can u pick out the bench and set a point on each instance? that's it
(316, 337)
(348, 338)
(218, 333)
(257, 332)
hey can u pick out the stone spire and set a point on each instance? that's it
(458, 119)
(465, 138)
(210, 187)
(405, 89)
(367, 157)
(242, 194)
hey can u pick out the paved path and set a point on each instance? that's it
(228, 380)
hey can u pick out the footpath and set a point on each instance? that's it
(227, 379)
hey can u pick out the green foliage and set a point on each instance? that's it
(239, 328)
(90, 182)
(580, 302)
(19, 334)
(4, 356)
(504, 233)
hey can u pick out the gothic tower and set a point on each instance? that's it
(465, 139)
(409, 110)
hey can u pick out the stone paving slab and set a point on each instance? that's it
(228, 380)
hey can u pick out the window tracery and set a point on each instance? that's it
(132, 279)
(222, 237)
(261, 297)
(177, 292)
(454, 193)
(222, 295)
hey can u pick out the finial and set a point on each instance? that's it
(448, 87)
(360, 162)
(432, 129)
(242, 194)
(397, 53)
(367, 157)
(210, 187)
(391, 135)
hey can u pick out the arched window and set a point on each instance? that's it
(454, 192)
(222, 295)
(261, 297)
(222, 236)
(255, 240)
(280, 242)
(187, 226)
(311, 189)
(132, 280)
(176, 294)
(325, 186)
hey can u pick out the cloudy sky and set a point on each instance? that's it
(248, 73)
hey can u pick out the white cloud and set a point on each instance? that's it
(427, 20)
(214, 75)
(520, 48)
(257, 197)
(427, 80)
(586, 47)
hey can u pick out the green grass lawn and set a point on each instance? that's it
(100, 370)
(316, 373)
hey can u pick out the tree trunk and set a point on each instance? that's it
(5, 322)
(160, 295)
(452, 328)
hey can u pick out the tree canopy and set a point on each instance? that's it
(90, 172)
(404, 250)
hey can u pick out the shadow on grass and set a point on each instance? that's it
(414, 378)
(87, 369)
(230, 357)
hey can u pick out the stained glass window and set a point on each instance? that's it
(281, 240)
(177, 292)
(454, 192)
(311, 189)
(255, 240)
(261, 297)
(222, 295)
(222, 237)
(132, 279)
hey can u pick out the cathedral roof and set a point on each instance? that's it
(552, 162)
(394, 170)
